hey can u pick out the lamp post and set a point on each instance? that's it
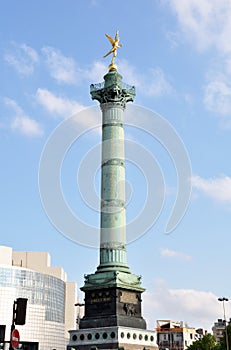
(226, 333)
(78, 313)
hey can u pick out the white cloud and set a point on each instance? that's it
(130, 73)
(159, 85)
(205, 23)
(217, 188)
(217, 97)
(173, 38)
(96, 72)
(197, 308)
(27, 126)
(83, 118)
(23, 58)
(61, 68)
(30, 52)
(174, 254)
(21, 122)
(217, 92)
(152, 82)
(66, 70)
(56, 104)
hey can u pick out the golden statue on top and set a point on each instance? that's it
(115, 46)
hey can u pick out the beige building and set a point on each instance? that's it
(219, 329)
(51, 298)
(173, 335)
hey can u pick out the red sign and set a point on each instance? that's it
(15, 339)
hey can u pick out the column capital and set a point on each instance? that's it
(112, 90)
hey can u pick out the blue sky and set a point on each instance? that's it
(178, 55)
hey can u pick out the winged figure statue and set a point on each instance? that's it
(115, 45)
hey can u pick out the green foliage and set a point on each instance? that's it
(208, 342)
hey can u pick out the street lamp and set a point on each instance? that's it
(78, 313)
(226, 333)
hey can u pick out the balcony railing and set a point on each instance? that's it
(124, 86)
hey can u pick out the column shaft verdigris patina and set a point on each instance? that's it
(113, 98)
(112, 293)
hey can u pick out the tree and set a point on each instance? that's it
(208, 342)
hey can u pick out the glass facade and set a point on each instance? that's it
(45, 316)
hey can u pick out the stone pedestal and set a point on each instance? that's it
(122, 338)
(112, 299)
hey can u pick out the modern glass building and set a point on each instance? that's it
(50, 307)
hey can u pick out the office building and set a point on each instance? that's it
(50, 307)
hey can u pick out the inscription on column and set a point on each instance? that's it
(100, 297)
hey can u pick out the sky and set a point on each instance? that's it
(178, 55)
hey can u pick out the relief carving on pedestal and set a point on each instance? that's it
(129, 309)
